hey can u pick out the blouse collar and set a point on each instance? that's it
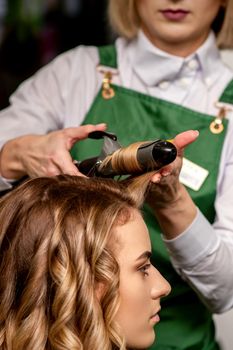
(206, 60)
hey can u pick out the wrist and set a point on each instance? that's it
(166, 196)
(10, 165)
(176, 215)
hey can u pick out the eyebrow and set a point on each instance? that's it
(144, 255)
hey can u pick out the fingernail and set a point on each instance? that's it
(165, 173)
(102, 124)
(156, 180)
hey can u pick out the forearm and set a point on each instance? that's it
(202, 255)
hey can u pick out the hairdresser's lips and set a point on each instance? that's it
(174, 15)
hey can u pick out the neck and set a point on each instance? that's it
(176, 47)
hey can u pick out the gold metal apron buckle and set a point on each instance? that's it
(216, 126)
(107, 90)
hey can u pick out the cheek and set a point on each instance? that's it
(133, 317)
(135, 295)
(211, 10)
(135, 300)
(143, 10)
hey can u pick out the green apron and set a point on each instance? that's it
(133, 116)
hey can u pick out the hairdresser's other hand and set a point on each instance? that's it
(169, 176)
(171, 202)
(43, 155)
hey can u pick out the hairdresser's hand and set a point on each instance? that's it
(169, 199)
(43, 155)
(167, 180)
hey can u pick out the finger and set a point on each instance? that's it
(185, 138)
(156, 177)
(66, 165)
(172, 167)
(81, 132)
(166, 171)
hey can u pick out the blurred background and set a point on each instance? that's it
(33, 32)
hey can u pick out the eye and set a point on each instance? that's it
(144, 269)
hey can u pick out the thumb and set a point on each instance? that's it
(185, 138)
(81, 132)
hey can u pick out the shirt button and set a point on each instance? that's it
(208, 81)
(184, 81)
(163, 85)
(193, 64)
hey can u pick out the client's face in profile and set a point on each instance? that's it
(141, 285)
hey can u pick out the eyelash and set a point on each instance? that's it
(144, 269)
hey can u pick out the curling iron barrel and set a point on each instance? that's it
(154, 155)
(137, 158)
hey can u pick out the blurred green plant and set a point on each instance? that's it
(25, 16)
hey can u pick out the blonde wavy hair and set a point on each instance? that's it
(54, 250)
(125, 21)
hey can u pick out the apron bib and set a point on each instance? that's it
(185, 324)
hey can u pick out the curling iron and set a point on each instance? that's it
(149, 156)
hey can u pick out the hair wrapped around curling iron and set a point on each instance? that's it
(138, 158)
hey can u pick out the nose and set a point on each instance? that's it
(161, 287)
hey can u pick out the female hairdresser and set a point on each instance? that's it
(164, 75)
(75, 267)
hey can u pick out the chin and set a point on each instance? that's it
(145, 342)
(151, 341)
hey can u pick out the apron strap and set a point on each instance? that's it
(108, 56)
(227, 95)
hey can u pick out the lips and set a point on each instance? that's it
(155, 318)
(174, 15)
(155, 314)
